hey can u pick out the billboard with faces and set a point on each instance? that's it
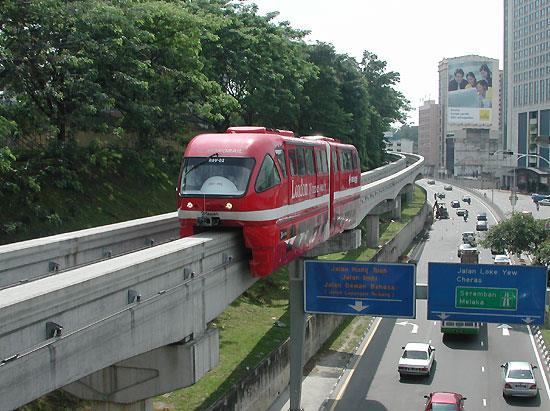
(470, 96)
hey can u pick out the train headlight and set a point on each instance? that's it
(190, 205)
(229, 206)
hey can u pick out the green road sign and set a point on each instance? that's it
(486, 298)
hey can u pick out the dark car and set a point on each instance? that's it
(451, 401)
(461, 212)
(482, 217)
(448, 187)
(467, 199)
(441, 195)
(481, 225)
(455, 204)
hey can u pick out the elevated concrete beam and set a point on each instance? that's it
(28, 260)
(182, 285)
(348, 240)
(156, 372)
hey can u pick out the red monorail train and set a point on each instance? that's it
(288, 194)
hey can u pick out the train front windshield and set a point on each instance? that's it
(226, 176)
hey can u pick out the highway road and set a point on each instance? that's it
(469, 365)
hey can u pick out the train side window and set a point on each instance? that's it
(300, 162)
(346, 161)
(292, 161)
(355, 160)
(334, 161)
(280, 154)
(268, 176)
(324, 163)
(310, 168)
(318, 167)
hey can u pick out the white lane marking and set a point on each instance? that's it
(484, 402)
(541, 367)
(435, 322)
(505, 329)
(354, 366)
(482, 368)
(414, 326)
(429, 341)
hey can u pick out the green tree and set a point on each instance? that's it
(389, 105)
(259, 64)
(517, 234)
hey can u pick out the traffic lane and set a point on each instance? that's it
(524, 203)
(512, 345)
(383, 390)
(441, 229)
(353, 395)
(456, 360)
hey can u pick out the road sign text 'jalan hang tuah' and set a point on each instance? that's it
(353, 288)
(486, 293)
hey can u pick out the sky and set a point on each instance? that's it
(411, 36)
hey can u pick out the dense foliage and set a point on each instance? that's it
(519, 234)
(141, 72)
(153, 67)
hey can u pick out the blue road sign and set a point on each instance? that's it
(353, 288)
(486, 293)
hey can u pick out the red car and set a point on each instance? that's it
(444, 401)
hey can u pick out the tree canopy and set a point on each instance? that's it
(520, 234)
(153, 68)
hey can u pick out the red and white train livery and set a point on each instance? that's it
(288, 194)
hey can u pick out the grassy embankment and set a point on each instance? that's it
(244, 343)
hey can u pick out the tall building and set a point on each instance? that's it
(469, 92)
(428, 135)
(527, 90)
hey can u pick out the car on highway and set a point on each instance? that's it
(467, 199)
(441, 195)
(455, 204)
(519, 379)
(448, 187)
(482, 216)
(469, 237)
(538, 197)
(545, 202)
(482, 226)
(444, 401)
(465, 248)
(502, 259)
(431, 182)
(417, 359)
(461, 212)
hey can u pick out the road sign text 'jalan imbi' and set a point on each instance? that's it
(486, 293)
(353, 288)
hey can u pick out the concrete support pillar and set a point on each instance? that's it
(129, 384)
(373, 230)
(409, 195)
(396, 212)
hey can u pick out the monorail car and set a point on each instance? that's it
(288, 194)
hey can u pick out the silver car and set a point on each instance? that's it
(519, 379)
(417, 359)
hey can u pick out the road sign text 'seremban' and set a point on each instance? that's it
(486, 293)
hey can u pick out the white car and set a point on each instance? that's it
(519, 379)
(417, 359)
(466, 247)
(502, 259)
(545, 202)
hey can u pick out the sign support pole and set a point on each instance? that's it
(297, 331)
